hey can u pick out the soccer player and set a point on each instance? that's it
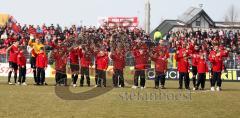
(36, 45)
(160, 57)
(13, 53)
(202, 69)
(118, 57)
(181, 57)
(194, 55)
(74, 65)
(21, 61)
(102, 65)
(41, 64)
(60, 57)
(216, 59)
(141, 58)
(85, 58)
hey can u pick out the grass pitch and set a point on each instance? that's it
(43, 102)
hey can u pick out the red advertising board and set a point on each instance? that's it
(119, 21)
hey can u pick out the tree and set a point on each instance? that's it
(231, 15)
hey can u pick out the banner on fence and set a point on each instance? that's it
(231, 74)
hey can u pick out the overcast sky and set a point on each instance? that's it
(67, 12)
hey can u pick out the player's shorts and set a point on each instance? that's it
(74, 68)
(85, 71)
(33, 62)
(13, 65)
(194, 70)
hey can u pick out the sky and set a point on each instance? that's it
(68, 12)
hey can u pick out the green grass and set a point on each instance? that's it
(41, 101)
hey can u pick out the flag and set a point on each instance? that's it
(14, 25)
(15, 28)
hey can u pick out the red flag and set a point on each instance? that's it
(15, 28)
(13, 22)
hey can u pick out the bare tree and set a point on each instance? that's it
(231, 15)
(226, 19)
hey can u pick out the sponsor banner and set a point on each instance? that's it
(4, 69)
(49, 72)
(231, 74)
(118, 21)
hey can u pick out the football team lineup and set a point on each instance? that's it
(80, 58)
(119, 59)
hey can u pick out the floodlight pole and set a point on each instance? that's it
(147, 16)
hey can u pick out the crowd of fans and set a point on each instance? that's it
(117, 37)
(51, 34)
(229, 40)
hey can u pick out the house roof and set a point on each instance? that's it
(188, 17)
(189, 14)
(166, 26)
(193, 13)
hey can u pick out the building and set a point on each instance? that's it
(194, 19)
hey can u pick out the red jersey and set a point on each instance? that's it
(202, 66)
(85, 58)
(195, 56)
(60, 61)
(102, 61)
(160, 62)
(21, 59)
(13, 54)
(73, 55)
(182, 61)
(160, 59)
(118, 60)
(41, 60)
(217, 61)
(140, 59)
